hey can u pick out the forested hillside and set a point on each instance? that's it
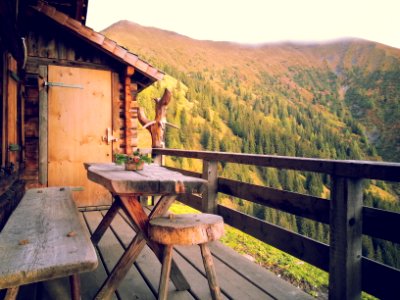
(338, 101)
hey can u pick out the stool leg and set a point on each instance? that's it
(210, 272)
(165, 271)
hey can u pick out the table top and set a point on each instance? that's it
(152, 180)
(44, 239)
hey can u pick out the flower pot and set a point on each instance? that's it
(134, 166)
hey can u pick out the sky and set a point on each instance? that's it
(258, 21)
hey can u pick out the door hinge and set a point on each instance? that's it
(61, 84)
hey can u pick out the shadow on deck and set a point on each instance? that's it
(238, 277)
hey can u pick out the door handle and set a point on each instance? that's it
(108, 138)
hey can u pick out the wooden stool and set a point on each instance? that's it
(187, 229)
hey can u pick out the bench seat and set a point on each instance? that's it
(44, 239)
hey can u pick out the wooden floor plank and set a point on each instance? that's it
(147, 262)
(230, 282)
(133, 286)
(90, 282)
(264, 279)
(249, 282)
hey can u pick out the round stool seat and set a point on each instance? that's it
(186, 229)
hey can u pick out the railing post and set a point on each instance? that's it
(159, 159)
(210, 173)
(345, 239)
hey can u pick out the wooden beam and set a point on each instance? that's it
(306, 206)
(381, 224)
(304, 248)
(346, 239)
(43, 133)
(210, 173)
(116, 121)
(380, 280)
(376, 222)
(4, 110)
(79, 10)
(345, 168)
(128, 101)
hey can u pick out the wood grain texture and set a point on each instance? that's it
(136, 213)
(304, 248)
(345, 239)
(165, 271)
(12, 293)
(105, 223)
(77, 121)
(346, 168)
(186, 229)
(152, 180)
(121, 268)
(210, 173)
(43, 133)
(44, 239)
(12, 116)
(210, 271)
(233, 282)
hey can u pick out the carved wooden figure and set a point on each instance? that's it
(157, 126)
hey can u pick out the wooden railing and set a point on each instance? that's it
(349, 272)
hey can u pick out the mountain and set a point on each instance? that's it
(358, 77)
(338, 100)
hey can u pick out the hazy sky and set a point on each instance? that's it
(258, 21)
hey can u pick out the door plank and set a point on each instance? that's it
(77, 120)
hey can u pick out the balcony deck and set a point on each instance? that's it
(239, 278)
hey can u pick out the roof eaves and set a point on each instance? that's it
(106, 44)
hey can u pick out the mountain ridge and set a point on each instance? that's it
(357, 72)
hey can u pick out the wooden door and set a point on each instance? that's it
(79, 112)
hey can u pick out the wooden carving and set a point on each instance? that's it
(157, 127)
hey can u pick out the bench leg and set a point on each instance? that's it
(105, 222)
(75, 285)
(12, 293)
(210, 272)
(165, 271)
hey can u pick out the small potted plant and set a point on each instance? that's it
(134, 161)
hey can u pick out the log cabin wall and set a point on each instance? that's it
(57, 46)
(11, 188)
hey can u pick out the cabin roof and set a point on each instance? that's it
(100, 41)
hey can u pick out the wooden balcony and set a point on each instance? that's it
(348, 220)
(239, 277)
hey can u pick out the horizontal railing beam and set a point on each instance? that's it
(304, 248)
(376, 222)
(381, 224)
(379, 280)
(310, 207)
(344, 168)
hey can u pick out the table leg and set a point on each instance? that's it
(105, 222)
(135, 212)
(122, 267)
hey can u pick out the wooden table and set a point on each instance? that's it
(126, 187)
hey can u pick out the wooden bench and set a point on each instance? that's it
(44, 239)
